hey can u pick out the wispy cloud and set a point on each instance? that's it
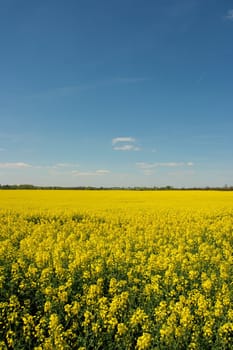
(126, 148)
(102, 171)
(229, 15)
(69, 90)
(98, 172)
(125, 144)
(125, 80)
(147, 166)
(16, 165)
(122, 139)
(66, 165)
(111, 82)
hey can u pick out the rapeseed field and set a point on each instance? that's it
(116, 270)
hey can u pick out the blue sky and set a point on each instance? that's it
(116, 93)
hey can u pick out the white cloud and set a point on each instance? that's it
(102, 171)
(144, 165)
(66, 165)
(126, 147)
(229, 15)
(83, 173)
(122, 139)
(124, 144)
(99, 172)
(17, 165)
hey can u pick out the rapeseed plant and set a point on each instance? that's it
(116, 270)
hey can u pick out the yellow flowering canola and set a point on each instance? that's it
(116, 270)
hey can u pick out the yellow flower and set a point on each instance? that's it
(47, 306)
(138, 317)
(207, 285)
(218, 309)
(88, 317)
(144, 341)
(226, 331)
(121, 328)
(143, 268)
(95, 328)
(207, 328)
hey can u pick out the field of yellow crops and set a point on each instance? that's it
(116, 270)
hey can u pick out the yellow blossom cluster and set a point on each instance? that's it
(116, 270)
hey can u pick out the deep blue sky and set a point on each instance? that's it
(116, 93)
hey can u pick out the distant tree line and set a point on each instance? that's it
(137, 188)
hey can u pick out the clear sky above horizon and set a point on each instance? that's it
(116, 93)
